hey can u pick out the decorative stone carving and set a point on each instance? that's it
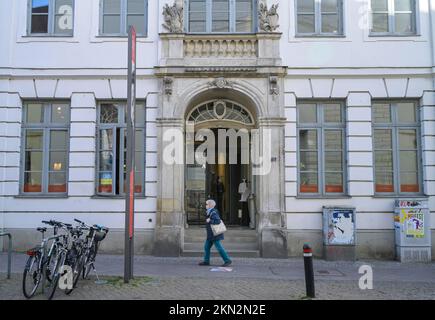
(274, 88)
(221, 83)
(173, 17)
(268, 18)
(220, 47)
(167, 85)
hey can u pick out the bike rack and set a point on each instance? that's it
(2, 234)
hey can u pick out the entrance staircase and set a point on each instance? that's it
(238, 242)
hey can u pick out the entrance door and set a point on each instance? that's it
(220, 182)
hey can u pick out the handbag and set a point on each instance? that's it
(218, 229)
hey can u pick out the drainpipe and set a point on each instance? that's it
(432, 37)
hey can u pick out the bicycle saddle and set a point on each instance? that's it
(41, 229)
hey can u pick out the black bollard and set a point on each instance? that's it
(309, 273)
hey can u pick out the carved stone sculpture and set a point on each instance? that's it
(221, 83)
(268, 18)
(173, 17)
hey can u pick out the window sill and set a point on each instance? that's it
(322, 197)
(115, 197)
(316, 36)
(395, 196)
(48, 36)
(41, 196)
(393, 35)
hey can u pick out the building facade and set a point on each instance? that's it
(340, 93)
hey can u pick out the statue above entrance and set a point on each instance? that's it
(173, 17)
(268, 18)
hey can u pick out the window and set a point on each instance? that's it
(220, 16)
(111, 149)
(117, 15)
(396, 148)
(319, 17)
(45, 148)
(51, 17)
(393, 17)
(321, 141)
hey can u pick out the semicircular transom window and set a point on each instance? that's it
(221, 110)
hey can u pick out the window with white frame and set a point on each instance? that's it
(51, 17)
(44, 161)
(319, 17)
(321, 140)
(393, 17)
(396, 148)
(117, 15)
(112, 149)
(220, 16)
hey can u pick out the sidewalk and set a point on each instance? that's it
(250, 278)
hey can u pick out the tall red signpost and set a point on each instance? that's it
(129, 192)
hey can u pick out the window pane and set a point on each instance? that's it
(408, 161)
(39, 6)
(334, 183)
(380, 22)
(57, 182)
(139, 161)
(197, 5)
(58, 160)
(308, 161)
(139, 140)
(59, 113)
(308, 183)
(306, 23)
(379, 5)
(244, 6)
(383, 139)
(381, 113)
(384, 161)
(197, 26)
(404, 23)
(403, 5)
(35, 113)
(406, 112)
(307, 113)
(111, 24)
(34, 139)
(32, 182)
(137, 21)
(39, 24)
(409, 182)
(308, 139)
(243, 26)
(384, 182)
(138, 182)
(221, 26)
(333, 161)
(330, 23)
(136, 6)
(58, 140)
(33, 161)
(106, 161)
(139, 116)
(332, 113)
(108, 113)
(407, 139)
(105, 183)
(63, 24)
(106, 139)
(305, 6)
(112, 6)
(61, 3)
(333, 140)
(329, 6)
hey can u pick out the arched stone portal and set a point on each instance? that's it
(264, 113)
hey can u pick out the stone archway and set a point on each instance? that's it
(174, 108)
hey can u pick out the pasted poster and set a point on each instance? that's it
(413, 222)
(341, 227)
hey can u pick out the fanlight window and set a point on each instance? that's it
(221, 110)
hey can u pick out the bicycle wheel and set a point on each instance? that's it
(51, 286)
(31, 276)
(77, 268)
(89, 261)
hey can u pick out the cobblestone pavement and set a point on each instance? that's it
(250, 279)
(175, 288)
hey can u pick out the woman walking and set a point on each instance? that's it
(213, 218)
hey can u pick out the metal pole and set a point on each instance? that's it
(9, 252)
(309, 273)
(129, 192)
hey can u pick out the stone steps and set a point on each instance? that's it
(238, 242)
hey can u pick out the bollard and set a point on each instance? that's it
(309, 273)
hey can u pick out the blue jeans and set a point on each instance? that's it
(207, 247)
